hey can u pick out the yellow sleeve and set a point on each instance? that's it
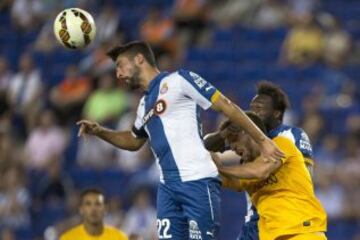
(215, 96)
(286, 146)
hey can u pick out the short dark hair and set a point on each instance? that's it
(279, 97)
(253, 117)
(88, 191)
(133, 48)
(257, 120)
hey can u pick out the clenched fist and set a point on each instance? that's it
(88, 127)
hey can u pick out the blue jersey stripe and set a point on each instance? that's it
(202, 86)
(158, 140)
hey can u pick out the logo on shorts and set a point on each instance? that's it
(194, 230)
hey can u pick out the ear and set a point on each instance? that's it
(139, 59)
(277, 114)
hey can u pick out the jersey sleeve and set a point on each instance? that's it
(286, 146)
(302, 142)
(138, 129)
(198, 89)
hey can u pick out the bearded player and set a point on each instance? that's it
(188, 200)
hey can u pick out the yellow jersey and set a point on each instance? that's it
(79, 233)
(285, 201)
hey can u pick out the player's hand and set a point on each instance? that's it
(88, 127)
(270, 152)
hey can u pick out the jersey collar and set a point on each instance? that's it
(274, 132)
(156, 81)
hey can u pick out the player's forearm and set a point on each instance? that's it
(123, 140)
(214, 142)
(242, 172)
(237, 116)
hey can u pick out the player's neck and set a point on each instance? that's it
(94, 229)
(148, 75)
(274, 125)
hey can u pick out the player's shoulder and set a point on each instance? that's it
(72, 233)
(284, 142)
(116, 232)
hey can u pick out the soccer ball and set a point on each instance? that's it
(74, 28)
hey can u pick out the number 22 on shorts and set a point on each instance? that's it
(163, 226)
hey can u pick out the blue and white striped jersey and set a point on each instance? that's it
(168, 114)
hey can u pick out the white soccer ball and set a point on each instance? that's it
(74, 28)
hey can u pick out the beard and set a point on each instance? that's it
(134, 80)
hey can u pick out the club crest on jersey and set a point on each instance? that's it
(160, 107)
(164, 88)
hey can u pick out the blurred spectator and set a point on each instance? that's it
(190, 19)
(97, 62)
(55, 186)
(300, 8)
(353, 124)
(234, 11)
(349, 175)
(159, 32)
(69, 96)
(114, 214)
(141, 217)
(32, 18)
(313, 125)
(96, 154)
(328, 155)
(107, 23)
(10, 151)
(45, 144)
(107, 103)
(14, 199)
(5, 77)
(7, 234)
(44, 42)
(5, 5)
(272, 14)
(304, 43)
(135, 236)
(337, 41)
(25, 91)
(330, 194)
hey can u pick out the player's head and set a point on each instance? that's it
(130, 59)
(270, 103)
(92, 206)
(241, 142)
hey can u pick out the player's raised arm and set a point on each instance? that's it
(236, 115)
(259, 169)
(126, 140)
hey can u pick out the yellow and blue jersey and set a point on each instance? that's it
(286, 201)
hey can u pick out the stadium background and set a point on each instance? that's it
(311, 48)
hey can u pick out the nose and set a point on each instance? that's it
(118, 74)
